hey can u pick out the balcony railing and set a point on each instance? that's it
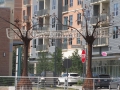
(76, 46)
(26, 18)
(43, 28)
(102, 41)
(102, 17)
(64, 28)
(41, 47)
(27, 2)
(65, 8)
(43, 12)
(92, 1)
(64, 46)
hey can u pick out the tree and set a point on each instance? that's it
(58, 63)
(44, 63)
(25, 37)
(77, 65)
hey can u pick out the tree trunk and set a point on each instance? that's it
(88, 83)
(25, 83)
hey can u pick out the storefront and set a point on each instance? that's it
(106, 65)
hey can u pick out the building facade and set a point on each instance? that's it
(18, 9)
(107, 10)
(72, 16)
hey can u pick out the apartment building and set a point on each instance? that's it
(18, 9)
(5, 50)
(107, 10)
(41, 10)
(72, 15)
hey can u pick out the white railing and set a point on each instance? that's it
(51, 83)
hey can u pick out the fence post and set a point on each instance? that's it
(38, 83)
(93, 84)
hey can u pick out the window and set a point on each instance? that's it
(78, 18)
(116, 9)
(53, 42)
(78, 38)
(66, 2)
(35, 9)
(79, 2)
(88, 14)
(70, 20)
(65, 23)
(71, 3)
(65, 41)
(53, 4)
(115, 32)
(34, 43)
(53, 22)
(40, 41)
(70, 40)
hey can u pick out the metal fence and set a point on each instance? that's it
(51, 83)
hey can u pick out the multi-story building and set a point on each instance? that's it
(42, 9)
(72, 16)
(5, 49)
(107, 10)
(18, 9)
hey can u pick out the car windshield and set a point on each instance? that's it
(64, 75)
(74, 75)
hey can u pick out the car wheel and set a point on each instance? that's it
(95, 87)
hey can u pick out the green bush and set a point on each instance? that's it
(6, 81)
(80, 82)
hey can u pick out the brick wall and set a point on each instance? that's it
(4, 42)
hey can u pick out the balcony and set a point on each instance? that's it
(43, 12)
(64, 46)
(65, 8)
(27, 2)
(93, 1)
(41, 47)
(26, 18)
(76, 46)
(43, 28)
(102, 41)
(102, 17)
(64, 28)
(98, 1)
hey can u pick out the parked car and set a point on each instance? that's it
(102, 80)
(72, 78)
(115, 84)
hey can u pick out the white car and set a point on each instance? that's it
(72, 78)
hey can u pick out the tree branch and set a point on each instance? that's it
(95, 27)
(13, 25)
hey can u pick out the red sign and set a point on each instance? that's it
(83, 56)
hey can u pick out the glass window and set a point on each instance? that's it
(115, 32)
(35, 9)
(34, 43)
(70, 20)
(53, 4)
(116, 9)
(71, 3)
(53, 22)
(78, 18)
(78, 38)
(79, 2)
(70, 40)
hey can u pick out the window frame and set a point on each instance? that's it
(115, 32)
(71, 3)
(53, 22)
(116, 9)
(70, 20)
